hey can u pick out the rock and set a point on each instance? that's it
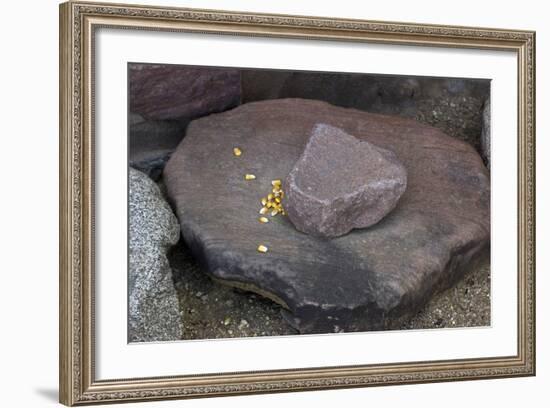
(365, 280)
(486, 133)
(340, 183)
(151, 144)
(453, 105)
(179, 92)
(153, 303)
(164, 99)
(135, 119)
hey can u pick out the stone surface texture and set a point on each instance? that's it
(168, 97)
(154, 313)
(486, 133)
(213, 310)
(453, 105)
(340, 183)
(364, 280)
(163, 100)
(152, 142)
(179, 92)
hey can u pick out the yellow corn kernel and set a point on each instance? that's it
(270, 197)
(276, 183)
(264, 210)
(278, 200)
(262, 248)
(249, 177)
(237, 152)
(263, 219)
(274, 212)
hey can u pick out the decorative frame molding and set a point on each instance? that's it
(78, 20)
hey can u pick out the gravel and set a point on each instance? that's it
(211, 310)
(467, 304)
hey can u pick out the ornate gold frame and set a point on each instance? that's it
(78, 20)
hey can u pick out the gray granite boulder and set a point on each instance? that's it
(367, 279)
(154, 313)
(340, 183)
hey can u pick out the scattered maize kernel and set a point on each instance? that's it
(272, 204)
(249, 177)
(262, 248)
(237, 152)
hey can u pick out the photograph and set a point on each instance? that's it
(267, 202)
(253, 202)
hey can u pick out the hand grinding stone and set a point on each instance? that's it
(340, 183)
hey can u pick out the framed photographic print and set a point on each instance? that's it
(260, 203)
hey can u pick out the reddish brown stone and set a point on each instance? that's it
(179, 92)
(340, 183)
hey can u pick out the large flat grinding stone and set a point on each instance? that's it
(365, 280)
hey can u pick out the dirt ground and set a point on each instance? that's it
(212, 310)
